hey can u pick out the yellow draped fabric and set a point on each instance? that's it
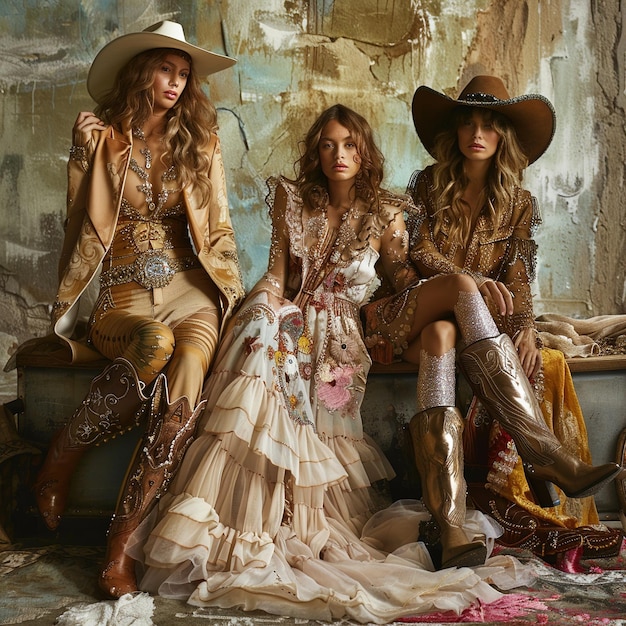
(498, 486)
(564, 417)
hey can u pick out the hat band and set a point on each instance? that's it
(480, 97)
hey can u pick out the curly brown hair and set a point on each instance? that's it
(310, 177)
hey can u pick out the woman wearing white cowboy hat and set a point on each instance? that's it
(471, 240)
(147, 216)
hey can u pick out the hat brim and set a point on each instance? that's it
(112, 58)
(532, 117)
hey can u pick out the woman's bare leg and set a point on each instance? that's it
(453, 297)
(497, 377)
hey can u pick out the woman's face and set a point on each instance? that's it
(170, 80)
(478, 140)
(339, 158)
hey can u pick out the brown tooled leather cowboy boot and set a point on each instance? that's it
(524, 530)
(115, 403)
(170, 432)
(438, 448)
(495, 374)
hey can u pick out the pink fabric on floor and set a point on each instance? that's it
(509, 607)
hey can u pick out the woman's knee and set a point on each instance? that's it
(438, 296)
(152, 337)
(147, 344)
(439, 337)
(459, 282)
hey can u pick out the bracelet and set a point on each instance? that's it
(272, 280)
(78, 153)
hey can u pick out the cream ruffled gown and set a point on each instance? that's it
(271, 508)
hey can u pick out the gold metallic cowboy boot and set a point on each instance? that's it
(495, 374)
(169, 434)
(438, 447)
(114, 404)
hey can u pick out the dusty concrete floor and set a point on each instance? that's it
(42, 575)
(40, 580)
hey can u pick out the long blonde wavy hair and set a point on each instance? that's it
(190, 122)
(450, 180)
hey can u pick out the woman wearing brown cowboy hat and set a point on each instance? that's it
(147, 219)
(472, 244)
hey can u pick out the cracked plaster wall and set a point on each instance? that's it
(295, 58)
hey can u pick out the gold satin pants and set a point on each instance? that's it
(173, 329)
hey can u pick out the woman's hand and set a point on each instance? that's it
(85, 123)
(528, 352)
(500, 295)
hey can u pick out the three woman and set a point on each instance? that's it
(270, 504)
(471, 239)
(147, 219)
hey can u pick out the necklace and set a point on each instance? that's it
(143, 172)
(345, 234)
(350, 212)
(339, 238)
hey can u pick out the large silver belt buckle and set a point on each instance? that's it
(153, 269)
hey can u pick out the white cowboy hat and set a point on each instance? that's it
(114, 56)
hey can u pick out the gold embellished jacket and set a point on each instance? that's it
(505, 252)
(94, 194)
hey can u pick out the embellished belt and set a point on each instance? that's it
(151, 269)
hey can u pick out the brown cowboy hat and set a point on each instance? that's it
(112, 58)
(532, 115)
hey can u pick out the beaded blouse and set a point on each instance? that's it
(305, 238)
(506, 252)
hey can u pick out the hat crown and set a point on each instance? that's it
(484, 89)
(168, 29)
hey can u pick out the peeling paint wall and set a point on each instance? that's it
(295, 58)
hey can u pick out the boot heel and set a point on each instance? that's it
(544, 493)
